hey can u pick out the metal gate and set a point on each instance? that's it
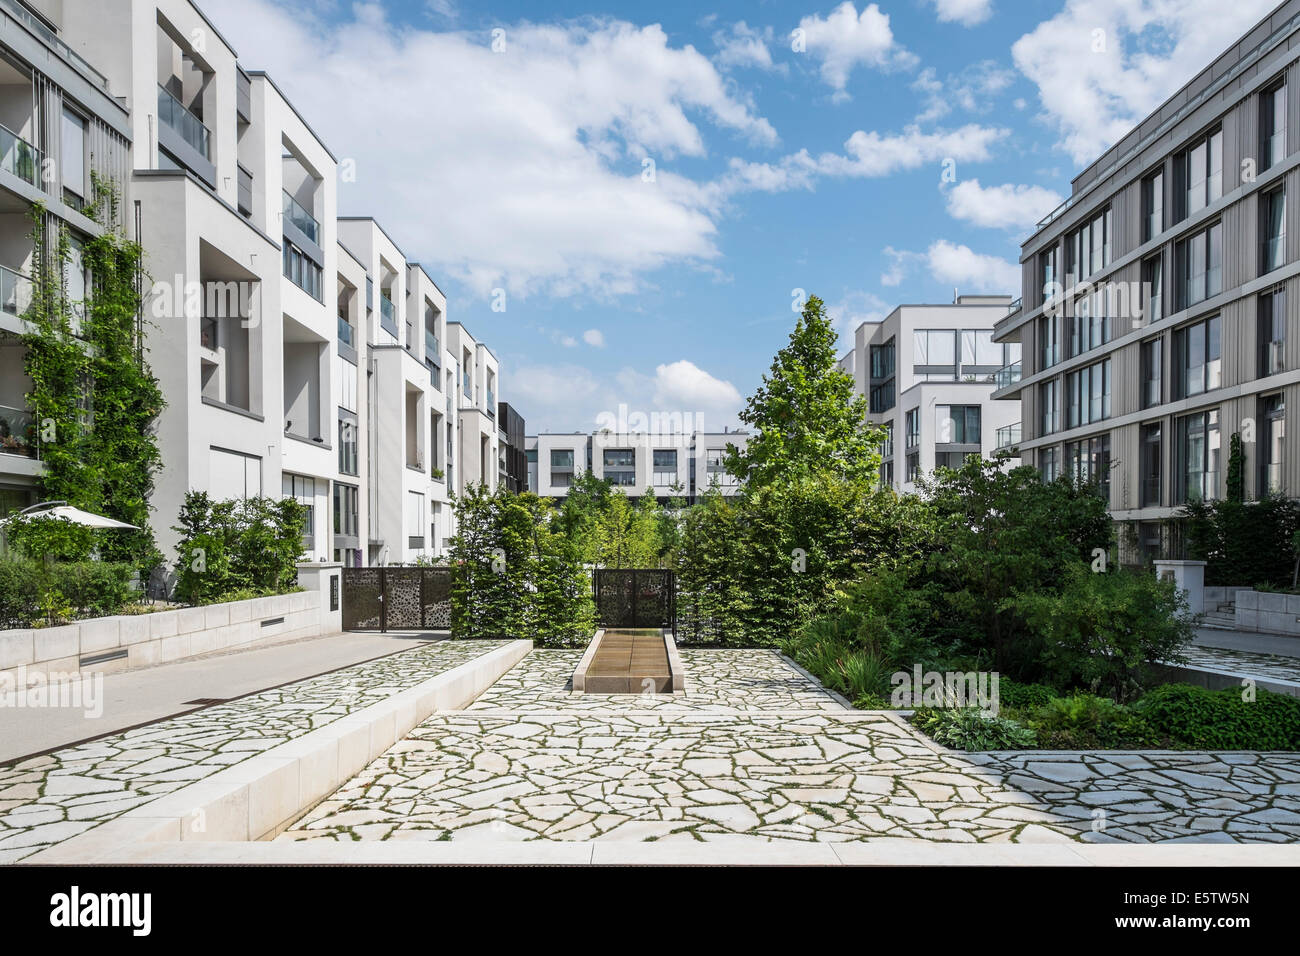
(635, 598)
(397, 599)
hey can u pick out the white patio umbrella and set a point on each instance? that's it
(65, 512)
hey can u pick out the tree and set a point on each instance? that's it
(805, 419)
(1236, 469)
(627, 532)
(587, 500)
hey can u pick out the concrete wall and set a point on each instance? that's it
(1268, 613)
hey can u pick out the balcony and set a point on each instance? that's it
(177, 116)
(388, 314)
(19, 157)
(346, 335)
(297, 214)
(16, 10)
(1008, 437)
(491, 403)
(432, 350)
(1006, 376)
(15, 292)
(18, 433)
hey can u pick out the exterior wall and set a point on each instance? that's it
(1226, 96)
(922, 383)
(691, 478)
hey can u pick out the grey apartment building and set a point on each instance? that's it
(1158, 301)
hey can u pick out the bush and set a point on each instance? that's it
(1086, 722)
(1018, 696)
(1222, 720)
(1244, 542)
(967, 729)
(237, 546)
(1102, 631)
(34, 592)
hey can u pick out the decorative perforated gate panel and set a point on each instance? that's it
(396, 599)
(635, 598)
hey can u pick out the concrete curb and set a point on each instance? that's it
(259, 797)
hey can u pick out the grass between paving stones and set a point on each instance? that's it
(1170, 717)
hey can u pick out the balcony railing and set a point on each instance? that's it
(18, 433)
(19, 156)
(297, 214)
(345, 332)
(388, 311)
(15, 292)
(1008, 436)
(432, 350)
(16, 10)
(1007, 375)
(491, 403)
(178, 116)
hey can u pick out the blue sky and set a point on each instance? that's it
(525, 169)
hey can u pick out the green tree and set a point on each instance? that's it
(805, 419)
(587, 500)
(1236, 469)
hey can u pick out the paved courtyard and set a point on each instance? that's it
(757, 748)
(45, 800)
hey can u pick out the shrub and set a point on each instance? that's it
(1244, 542)
(36, 592)
(967, 729)
(1085, 721)
(1103, 630)
(237, 546)
(1222, 720)
(1018, 696)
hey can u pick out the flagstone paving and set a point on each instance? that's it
(45, 800)
(1222, 660)
(757, 748)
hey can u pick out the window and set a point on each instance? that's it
(1048, 273)
(1272, 415)
(1049, 463)
(1153, 360)
(562, 459)
(1197, 366)
(887, 443)
(1087, 462)
(1272, 126)
(232, 474)
(913, 428)
(621, 479)
(1198, 457)
(882, 377)
(345, 510)
(415, 525)
(620, 458)
(1153, 205)
(1153, 289)
(347, 446)
(665, 466)
(886, 474)
(1049, 341)
(347, 384)
(302, 271)
(244, 192)
(1272, 332)
(303, 490)
(1090, 326)
(1088, 395)
(713, 460)
(913, 466)
(73, 153)
(935, 354)
(958, 424)
(1272, 230)
(952, 459)
(1087, 249)
(1199, 171)
(1049, 407)
(1151, 455)
(979, 349)
(1198, 264)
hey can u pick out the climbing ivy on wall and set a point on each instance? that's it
(93, 397)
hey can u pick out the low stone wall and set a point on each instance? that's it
(1268, 613)
(108, 644)
(1220, 595)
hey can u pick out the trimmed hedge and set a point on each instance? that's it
(33, 592)
(1221, 719)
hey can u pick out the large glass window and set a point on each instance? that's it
(1088, 395)
(1272, 230)
(346, 499)
(1048, 273)
(619, 458)
(1049, 341)
(1049, 462)
(562, 459)
(1200, 174)
(1272, 332)
(1049, 407)
(1272, 126)
(302, 271)
(1153, 289)
(1088, 462)
(1090, 326)
(1151, 454)
(1198, 261)
(1198, 457)
(935, 354)
(1272, 420)
(73, 151)
(1153, 205)
(913, 428)
(1087, 249)
(347, 446)
(1153, 362)
(882, 377)
(1197, 362)
(302, 490)
(958, 424)
(665, 466)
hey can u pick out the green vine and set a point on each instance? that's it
(93, 396)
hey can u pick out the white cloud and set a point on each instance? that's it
(1001, 207)
(444, 8)
(594, 338)
(684, 385)
(852, 309)
(973, 89)
(745, 46)
(846, 39)
(519, 169)
(956, 265)
(966, 12)
(1102, 65)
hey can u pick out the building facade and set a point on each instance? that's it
(512, 456)
(300, 353)
(1158, 301)
(674, 465)
(927, 374)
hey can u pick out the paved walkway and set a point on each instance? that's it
(135, 697)
(45, 800)
(757, 748)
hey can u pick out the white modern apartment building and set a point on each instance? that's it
(928, 372)
(673, 464)
(300, 353)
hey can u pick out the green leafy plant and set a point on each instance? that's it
(1223, 719)
(1086, 721)
(966, 728)
(236, 546)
